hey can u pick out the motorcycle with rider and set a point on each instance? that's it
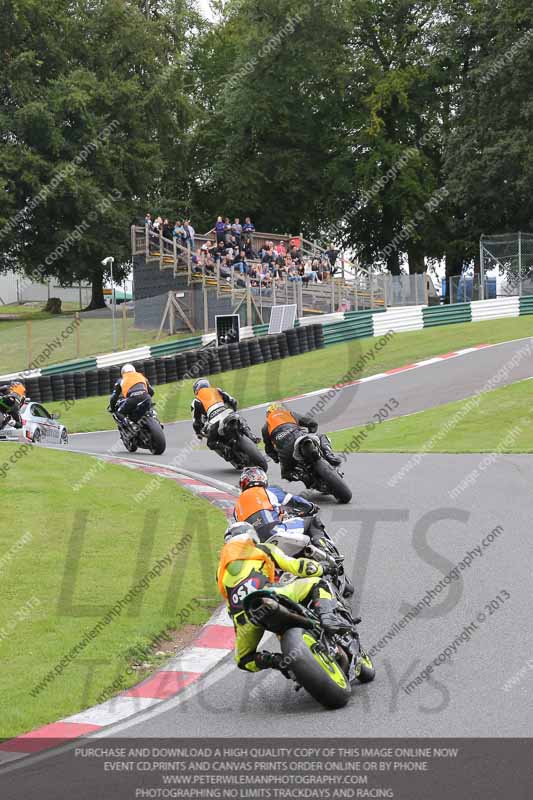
(292, 440)
(266, 590)
(215, 418)
(12, 398)
(133, 410)
(289, 521)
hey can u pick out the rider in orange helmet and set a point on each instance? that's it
(281, 430)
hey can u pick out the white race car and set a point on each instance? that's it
(38, 425)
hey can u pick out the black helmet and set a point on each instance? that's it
(201, 384)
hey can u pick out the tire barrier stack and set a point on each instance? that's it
(189, 364)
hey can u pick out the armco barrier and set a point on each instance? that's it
(355, 326)
(398, 320)
(526, 306)
(495, 309)
(447, 315)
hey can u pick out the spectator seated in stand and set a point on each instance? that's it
(239, 262)
(249, 250)
(220, 251)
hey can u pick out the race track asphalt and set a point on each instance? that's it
(400, 540)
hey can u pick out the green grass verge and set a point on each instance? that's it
(311, 371)
(501, 422)
(54, 338)
(34, 312)
(81, 553)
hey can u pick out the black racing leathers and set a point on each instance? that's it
(125, 406)
(279, 445)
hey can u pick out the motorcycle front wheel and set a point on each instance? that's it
(320, 675)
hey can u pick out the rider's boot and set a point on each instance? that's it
(286, 472)
(329, 455)
(330, 620)
(349, 588)
(250, 434)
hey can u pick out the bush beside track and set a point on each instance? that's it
(67, 559)
(308, 372)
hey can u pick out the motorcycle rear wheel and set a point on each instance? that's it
(251, 455)
(319, 675)
(331, 478)
(158, 443)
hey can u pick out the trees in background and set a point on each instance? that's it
(91, 93)
(399, 128)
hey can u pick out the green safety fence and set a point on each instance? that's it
(526, 305)
(356, 325)
(179, 346)
(447, 315)
(70, 366)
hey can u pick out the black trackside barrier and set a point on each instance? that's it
(190, 364)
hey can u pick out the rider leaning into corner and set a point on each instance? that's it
(246, 566)
(280, 432)
(12, 397)
(266, 507)
(209, 408)
(130, 390)
(273, 512)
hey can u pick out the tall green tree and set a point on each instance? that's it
(87, 109)
(489, 156)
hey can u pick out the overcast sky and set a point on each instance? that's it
(204, 8)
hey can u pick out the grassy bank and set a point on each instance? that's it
(311, 371)
(73, 542)
(56, 338)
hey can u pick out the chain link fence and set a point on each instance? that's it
(511, 255)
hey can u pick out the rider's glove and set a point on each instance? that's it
(313, 510)
(328, 568)
(312, 427)
(109, 409)
(314, 569)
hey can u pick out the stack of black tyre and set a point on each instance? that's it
(80, 385)
(33, 390)
(190, 364)
(92, 382)
(224, 358)
(254, 349)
